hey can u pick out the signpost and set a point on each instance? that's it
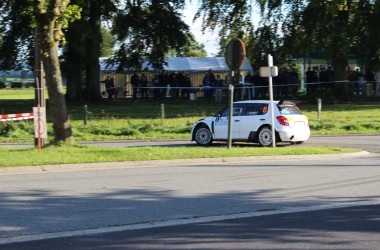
(40, 131)
(40, 102)
(269, 72)
(235, 55)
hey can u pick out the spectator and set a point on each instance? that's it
(143, 86)
(377, 79)
(218, 89)
(135, 81)
(250, 86)
(260, 86)
(294, 82)
(182, 85)
(164, 85)
(187, 86)
(156, 86)
(311, 79)
(323, 78)
(173, 81)
(110, 86)
(208, 82)
(360, 78)
(282, 84)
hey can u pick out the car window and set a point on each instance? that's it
(257, 109)
(238, 109)
(289, 110)
(223, 112)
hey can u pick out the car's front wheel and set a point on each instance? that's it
(203, 136)
(265, 137)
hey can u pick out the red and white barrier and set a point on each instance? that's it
(16, 117)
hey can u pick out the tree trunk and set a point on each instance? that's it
(49, 29)
(74, 63)
(93, 52)
(74, 76)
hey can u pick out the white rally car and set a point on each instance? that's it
(251, 122)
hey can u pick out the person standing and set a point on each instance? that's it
(110, 86)
(208, 82)
(218, 89)
(249, 85)
(143, 86)
(311, 79)
(135, 81)
(156, 86)
(377, 79)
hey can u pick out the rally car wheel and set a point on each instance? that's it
(265, 137)
(203, 136)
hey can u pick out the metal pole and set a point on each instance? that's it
(39, 80)
(270, 64)
(230, 107)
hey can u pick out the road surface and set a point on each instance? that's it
(111, 199)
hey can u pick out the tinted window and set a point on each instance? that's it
(238, 109)
(257, 109)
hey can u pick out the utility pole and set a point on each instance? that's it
(39, 81)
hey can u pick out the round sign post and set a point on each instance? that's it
(235, 55)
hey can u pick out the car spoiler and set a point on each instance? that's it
(284, 103)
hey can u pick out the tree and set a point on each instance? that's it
(50, 18)
(18, 36)
(192, 49)
(336, 26)
(147, 30)
(86, 42)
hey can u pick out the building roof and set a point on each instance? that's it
(189, 64)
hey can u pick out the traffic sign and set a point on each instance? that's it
(235, 54)
(269, 71)
(39, 114)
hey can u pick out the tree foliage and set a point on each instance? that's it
(191, 49)
(147, 30)
(292, 29)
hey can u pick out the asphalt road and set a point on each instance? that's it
(345, 228)
(369, 143)
(98, 206)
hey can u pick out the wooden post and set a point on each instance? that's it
(162, 112)
(85, 115)
(319, 100)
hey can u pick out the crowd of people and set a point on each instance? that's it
(175, 85)
(250, 86)
(319, 78)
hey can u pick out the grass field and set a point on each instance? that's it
(149, 119)
(83, 154)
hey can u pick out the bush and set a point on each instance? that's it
(19, 129)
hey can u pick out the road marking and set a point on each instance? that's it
(184, 221)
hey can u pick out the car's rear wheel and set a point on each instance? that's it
(265, 137)
(203, 136)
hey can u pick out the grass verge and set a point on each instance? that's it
(65, 154)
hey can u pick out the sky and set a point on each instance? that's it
(210, 37)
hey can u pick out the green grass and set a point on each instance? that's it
(122, 119)
(85, 154)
